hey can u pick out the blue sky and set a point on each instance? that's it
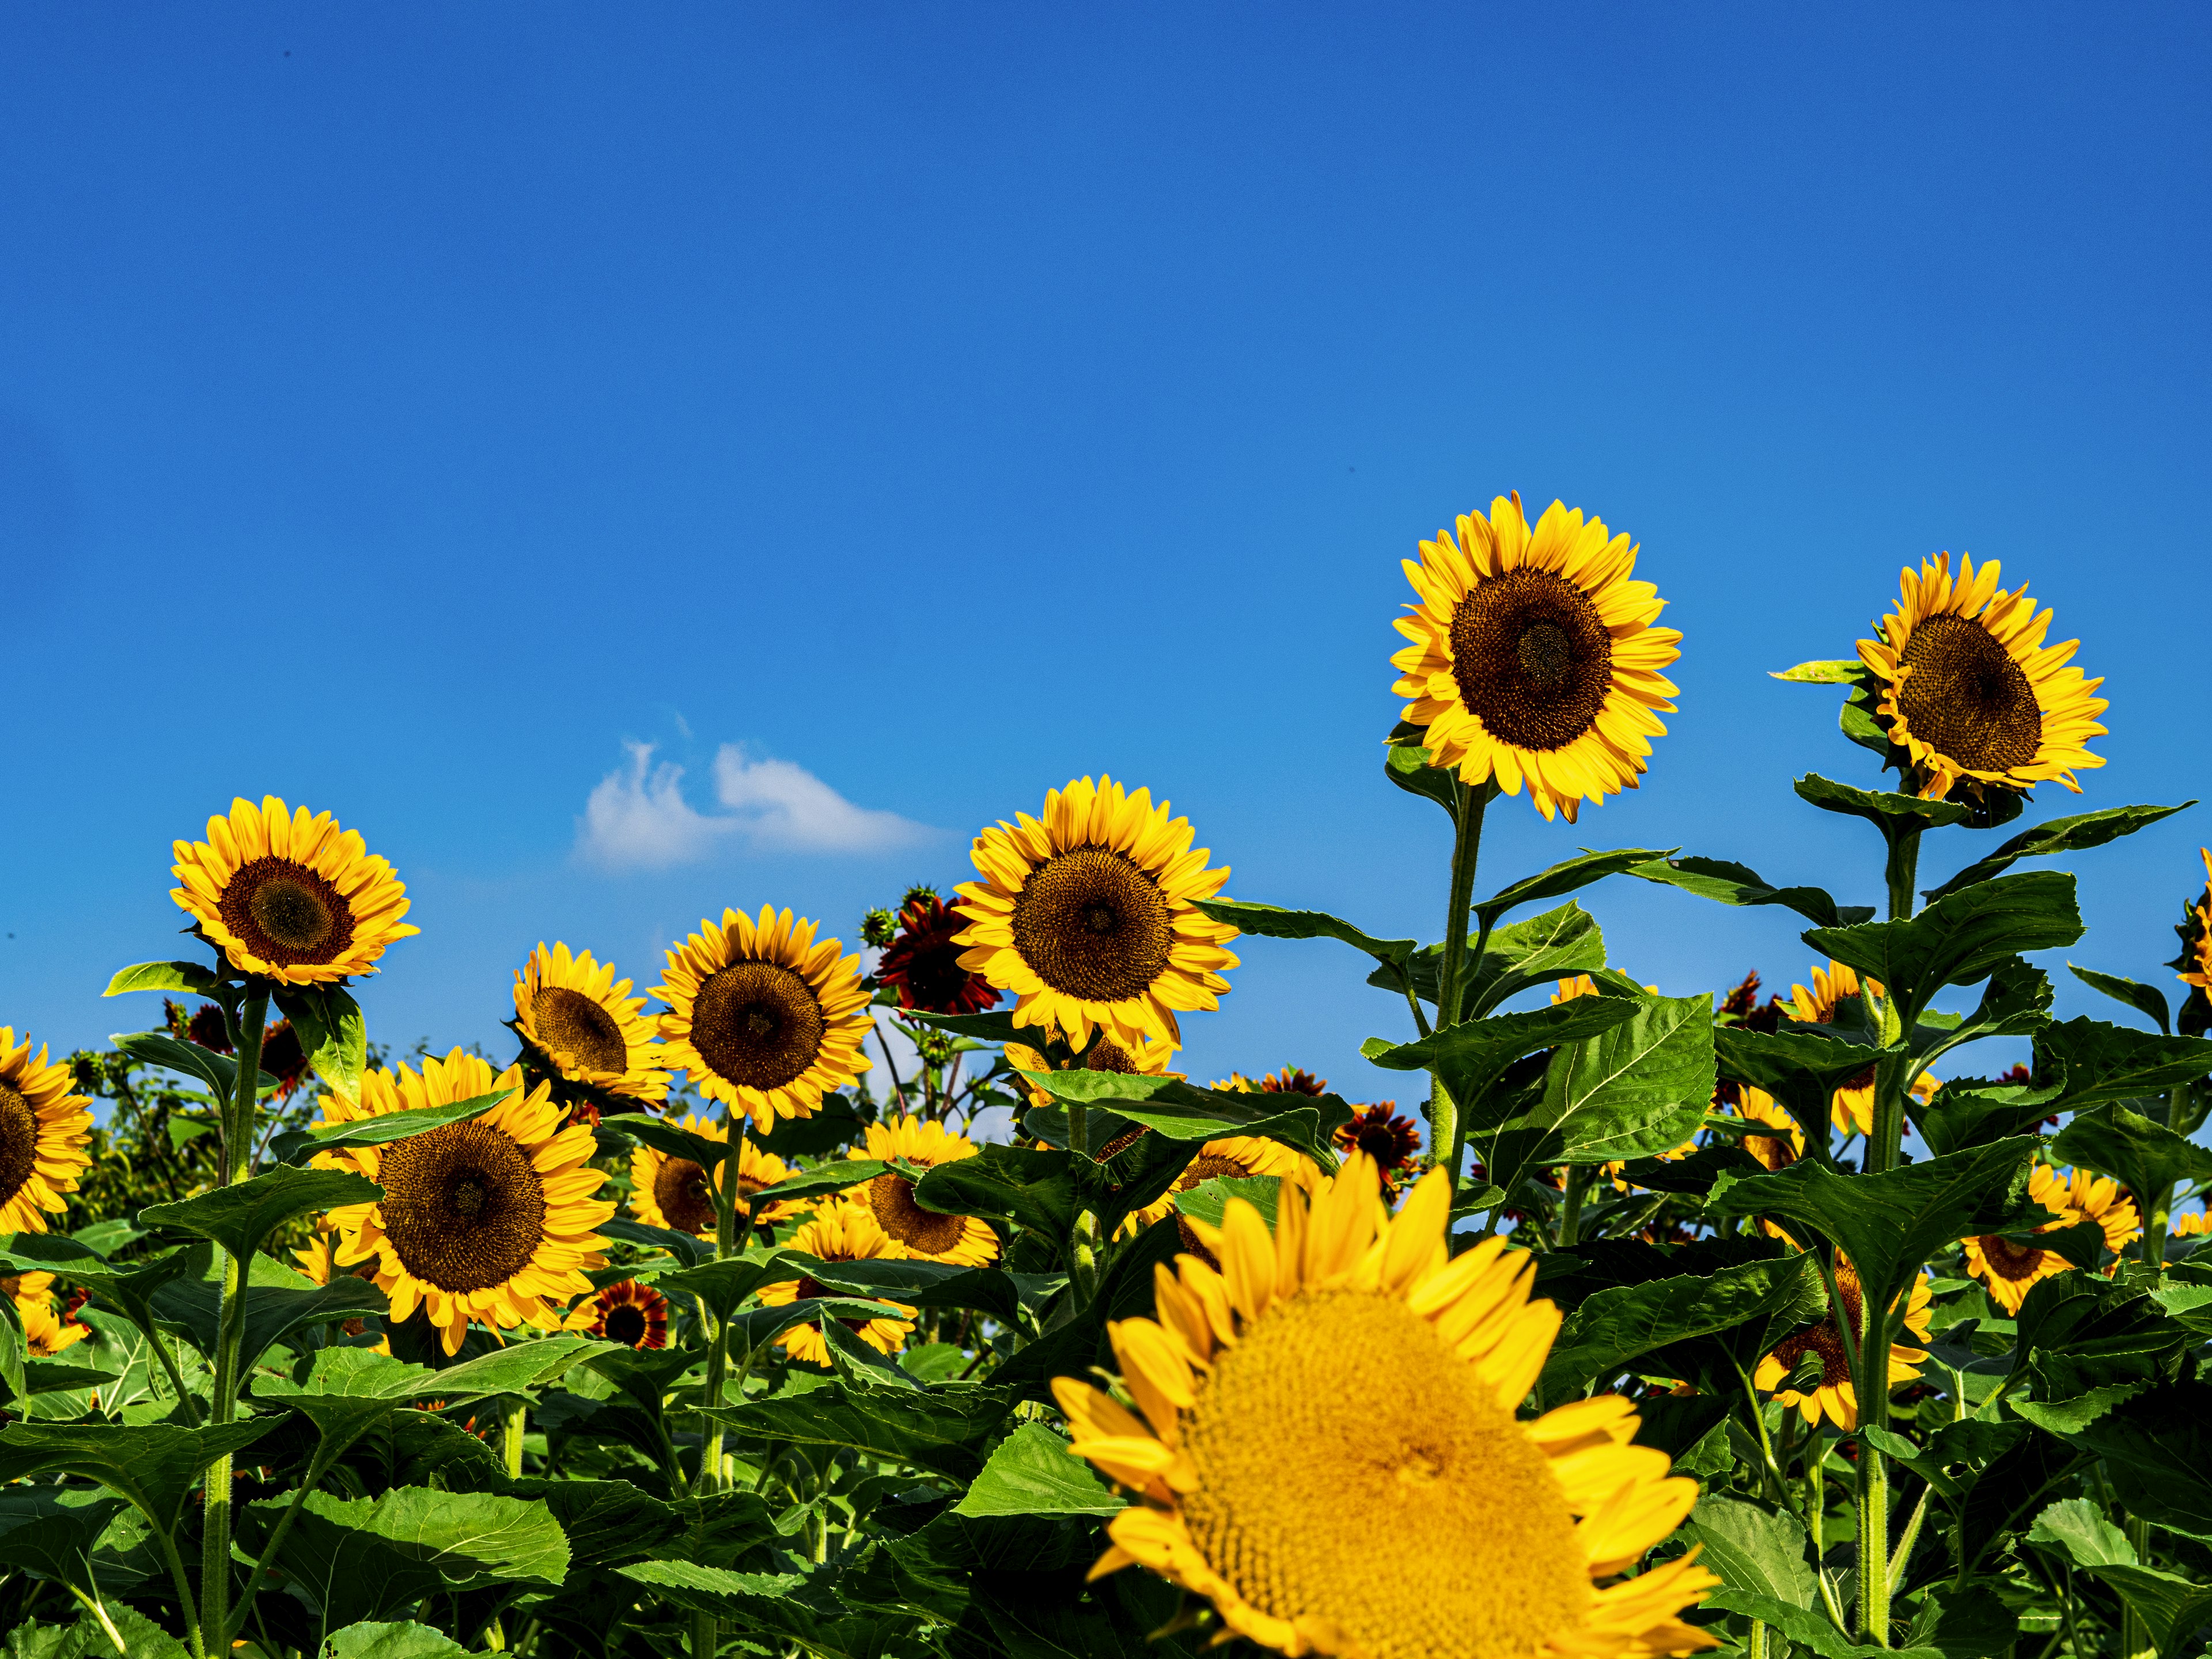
(884, 414)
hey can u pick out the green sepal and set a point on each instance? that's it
(1405, 763)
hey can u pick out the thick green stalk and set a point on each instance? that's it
(237, 1138)
(1904, 869)
(2135, 1635)
(510, 1429)
(1570, 1207)
(1447, 1133)
(1870, 1381)
(706, 1630)
(1082, 1236)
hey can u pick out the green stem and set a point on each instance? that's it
(1755, 1648)
(1447, 1133)
(2135, 1635)
(1082, 1236)
(98, 1609)
(1904, 867)
(1570, 1207)
(1903, 1552)
(183, 1580)
(706, 1630)
(510, 1437)
(237, 1138)
(1871, 1374)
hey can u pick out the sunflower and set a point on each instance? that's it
(46, 1330)
(1533, 657)
(1389, 1140)
(634, 1315)
(1782, 1148)
(922, 964)
(290, 895)
(1968, 690)
(843, 1231)
(916, 1233)
(486, 1219)
(1086, 917)
(1834, 989)
(675, 1192)
(1834, 1396)
(2195, 963)
(584, 1022)
(1348, 1381)
(1147, 1058)
(2093, 1197)
(1233, 1156)
(2011, 1270)
(762, 1018)
(1290, 1080)
(43, 1129)
(2195, 1225)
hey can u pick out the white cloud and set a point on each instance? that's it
(638, 818)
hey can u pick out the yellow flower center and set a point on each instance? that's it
(1532, 658)
(1341, 1420)
(890, 1197)
(284, 913)
(462, 1206)
(570, 1023)
(757, 1024)
(1967, 698)
(19, 1142)
(1092, 925)
(679, 1188)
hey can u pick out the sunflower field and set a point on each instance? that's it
(708, 1322)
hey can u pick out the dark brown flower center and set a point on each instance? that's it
(624, 1323)
(1826, 1340)
(462, 1206)
(1092, 925)
(1968, 698)
(2009, 1261)
(19, 1142)
(757, 1024)
(1532, 658)
(891, 1198)
(570, 1023)
(679, 1188)
(1107, 1055)
(284, 913)
(811, 1288)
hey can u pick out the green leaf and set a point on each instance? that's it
(2157, 1452)
(1168, 1106)
(1810, 1630)
(688, 1250)
(382, 1129)
(1848, 671)
(187, 976)
(218, 1071)
(1272, 922)
(2171, 1607)
(156, 1467)
(1893, 815)
(2072, 1416)
(2016, 1002)
(2107, 1062)
(1735, 883)
(725, 1285)
(2146, 1000)
(834, 1123)
(1568, 876)
(1965, 1621)
(762, 1603)
(1033, 1472)
(1972, 1111)
(1802, 1068)
(1640, 1087)
(239, 1217)
(1209, 1199)
(937, 1429)
(51, 1531)
(1517, 956)
(2073, 835)
(2148, 1158)
(1407, 765)
(1751, 1549)
(381, 1640)
(278, 1302)
(1959, 939)
(816, 1183)
(1035, 1188)
(1473, 1055)
(2089, 1333)
(88, 1639)
(1614, 1326)
(993, 1291)
(332, 1032)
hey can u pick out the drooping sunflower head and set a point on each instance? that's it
(839, 1231)
(2194, 964)
(675, 1193)
(290, 895)
(1827, 1390)
(634, 1315)
(584, 1021)
(1968, 690)
(44, 1125)
(1347, 1380)
(1534, 658)
(762, 1016)
(1086, 916)
(922, 963)
(913, 1232)
(491, 1219)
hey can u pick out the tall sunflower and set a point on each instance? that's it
(2011, 1270)
(1968, 688)
(1147, 1059)
(762, 1016)
(43, 1130)
(290, 895)
(1834, 1396)
(916, 1233)
(46, 1332)
(1533, 657)
(487, 1219)
(573, 1011)
(1086, 917)
(1389, 1140)
(842, 1231)
(675, 1192)
(1348, 1381)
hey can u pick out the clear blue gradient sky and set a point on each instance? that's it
(403, 409)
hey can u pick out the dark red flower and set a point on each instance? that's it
(1742, 1002)
(283, 1058)
(585, 1113)
(1292, 1080)
(204, 1026)
(923, 964)
(632, 1314)
(1390, 1140)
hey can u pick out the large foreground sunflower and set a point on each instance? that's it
(762, 1016)
(489, 1220)
(674, 1192)
(842, 1231)
(1533, 657)
(589, 1028)
(1833, 1395)
(1348, 1381)
(2011, 1269)
(43, 1129)
(1086, 917)
(290, 895)
(1968, 688)
(915, 1233)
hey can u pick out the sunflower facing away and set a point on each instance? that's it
(1086, 917)
(673, 1192)
(46, 1332)
(762, 1016)
(1347, 1381)
(1533, 657)
(489, 1220)
(1148, 1059)
(1834, 1396)
(574, 1012)
(43, 1129)
(634, 1315)
(2195, 963)
(1968, 688)
(290, 895)
(843, 1231)
(915, 1233)
(2011, 1270)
